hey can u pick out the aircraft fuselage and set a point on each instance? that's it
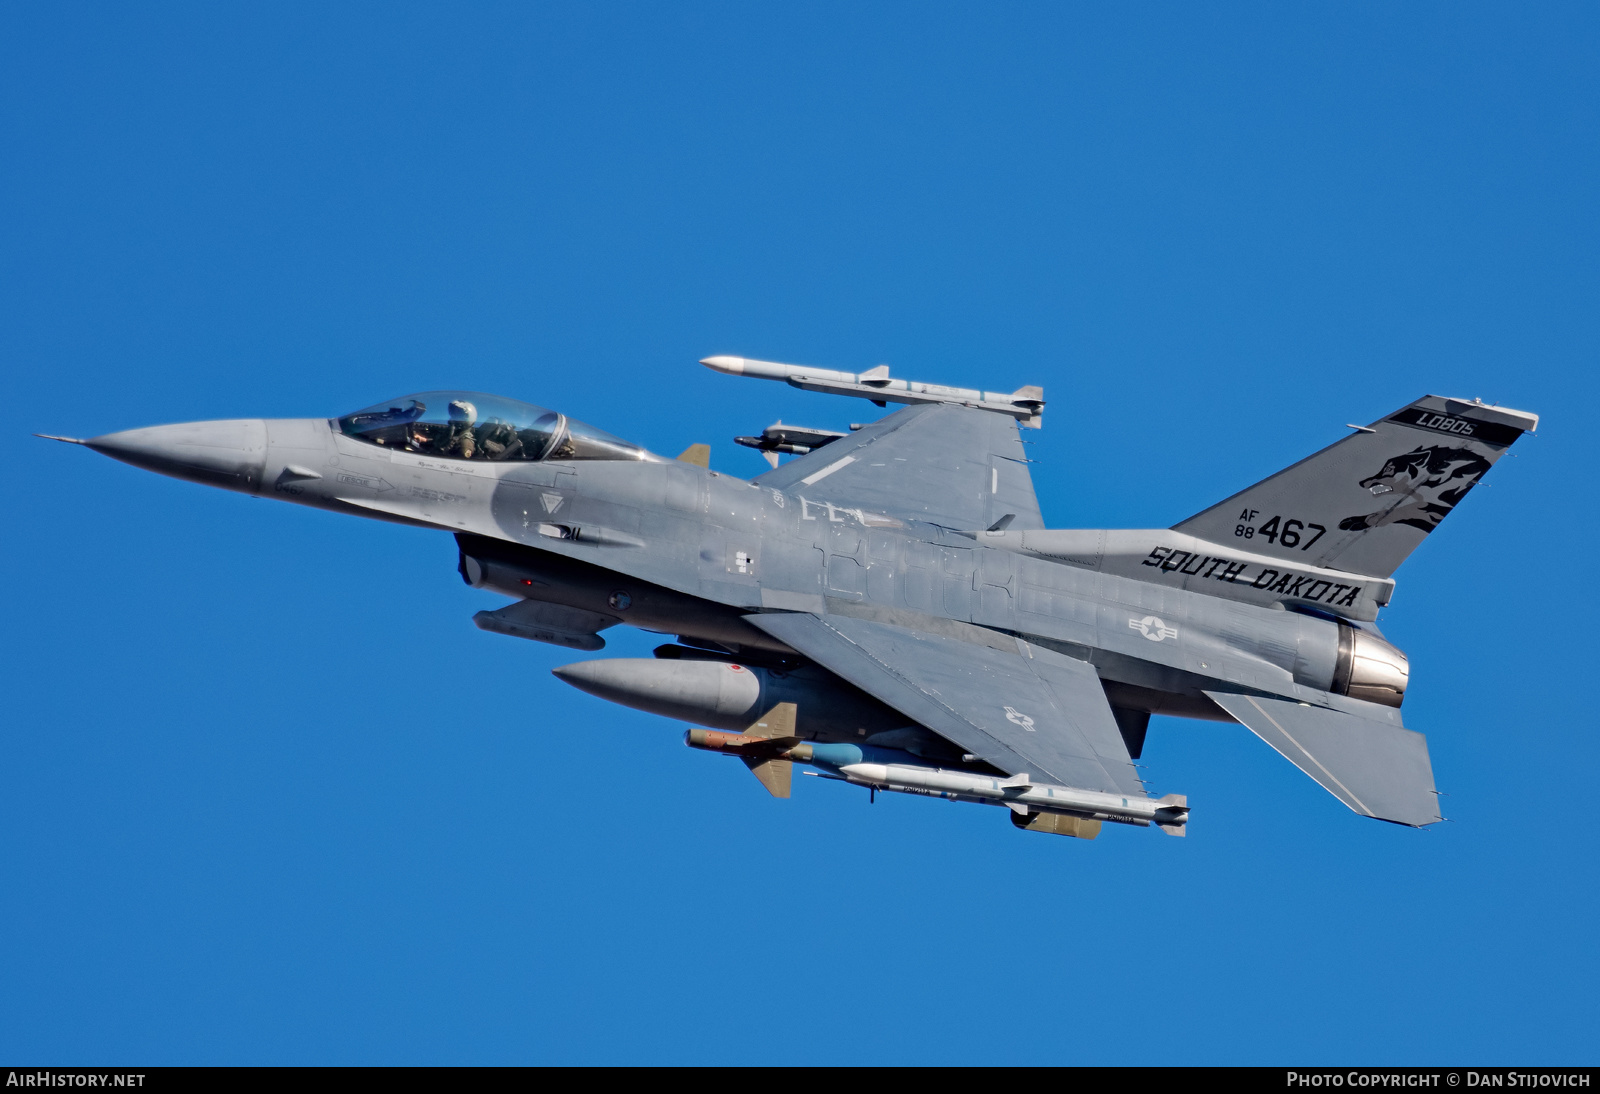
(690, 551)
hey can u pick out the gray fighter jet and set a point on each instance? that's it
(888, 607)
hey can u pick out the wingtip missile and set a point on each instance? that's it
(1026, 404)
(774, 370)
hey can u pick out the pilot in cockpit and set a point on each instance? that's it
(461, 436)
(468, 426)
(459, 439)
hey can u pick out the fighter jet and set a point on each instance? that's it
(888, 609)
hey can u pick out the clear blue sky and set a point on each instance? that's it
(269, 797)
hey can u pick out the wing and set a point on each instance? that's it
(1022, 709)
(1378, 768)
(947, 465)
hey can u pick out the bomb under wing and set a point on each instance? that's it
(899, 772)
(888, 608)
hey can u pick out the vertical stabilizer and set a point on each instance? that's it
(1364, 504)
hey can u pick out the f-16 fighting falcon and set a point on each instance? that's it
(888, 608)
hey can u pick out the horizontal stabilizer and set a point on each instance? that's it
(1374, 765)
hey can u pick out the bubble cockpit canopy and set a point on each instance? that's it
(467, 425)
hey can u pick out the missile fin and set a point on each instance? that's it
(1175, 825)
(1032, 395)
(1058, 824)
(777, 722)
(775, 775)
(757, 747)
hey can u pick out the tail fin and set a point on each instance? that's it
(776, 775)
(1364, 504)
(776, 729)
(697, 454)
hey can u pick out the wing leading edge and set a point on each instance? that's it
(1027, 710)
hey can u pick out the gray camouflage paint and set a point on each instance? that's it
(881, 532)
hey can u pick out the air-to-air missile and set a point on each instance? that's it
(1026, 404)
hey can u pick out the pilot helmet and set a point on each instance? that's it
(463, 411)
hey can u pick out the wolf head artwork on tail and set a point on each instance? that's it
(1433, 481)
(1367, 501)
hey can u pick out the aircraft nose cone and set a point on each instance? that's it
(229, 454)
